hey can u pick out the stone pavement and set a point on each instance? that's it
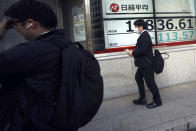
(178, 112)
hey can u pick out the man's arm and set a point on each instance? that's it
(3, 29)
(142, 47)
(14, 61)
(17, 61)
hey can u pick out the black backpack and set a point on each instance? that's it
(158, 61)
(81, 91)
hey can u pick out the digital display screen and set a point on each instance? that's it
(175, 21)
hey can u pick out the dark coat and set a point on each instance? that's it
(143, 55)
(30, 73)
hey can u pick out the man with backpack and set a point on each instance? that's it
(31, 74)
(143, 57)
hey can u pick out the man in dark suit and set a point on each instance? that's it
(143, 57)
(30, 73)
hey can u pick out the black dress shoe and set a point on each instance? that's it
(153, 105)
(139, 102)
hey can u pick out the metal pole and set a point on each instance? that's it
(89, 37)
(155, 23)
(59, 12)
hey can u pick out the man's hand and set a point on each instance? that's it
(129, 52)
(3, 25)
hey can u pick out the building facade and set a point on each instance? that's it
(105, 27)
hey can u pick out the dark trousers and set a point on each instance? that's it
(148, 75)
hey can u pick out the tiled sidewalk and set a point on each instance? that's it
(178, 112)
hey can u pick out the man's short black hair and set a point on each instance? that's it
(32, 9)
(140, 22)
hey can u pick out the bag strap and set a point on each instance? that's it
(161, 53)
(165, 54)
(58, 42)
(63, 111)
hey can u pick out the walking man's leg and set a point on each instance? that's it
(150, 81)
(140, 84)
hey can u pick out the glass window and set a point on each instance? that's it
(79, 29)
(175, 20)
(74, 21)
(119, 17)
(168, 21)
(97, 25)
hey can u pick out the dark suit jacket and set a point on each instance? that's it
(30, 68)
(143, 55)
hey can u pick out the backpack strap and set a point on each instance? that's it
(60, 43)
(63, 110)
(163, 53)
